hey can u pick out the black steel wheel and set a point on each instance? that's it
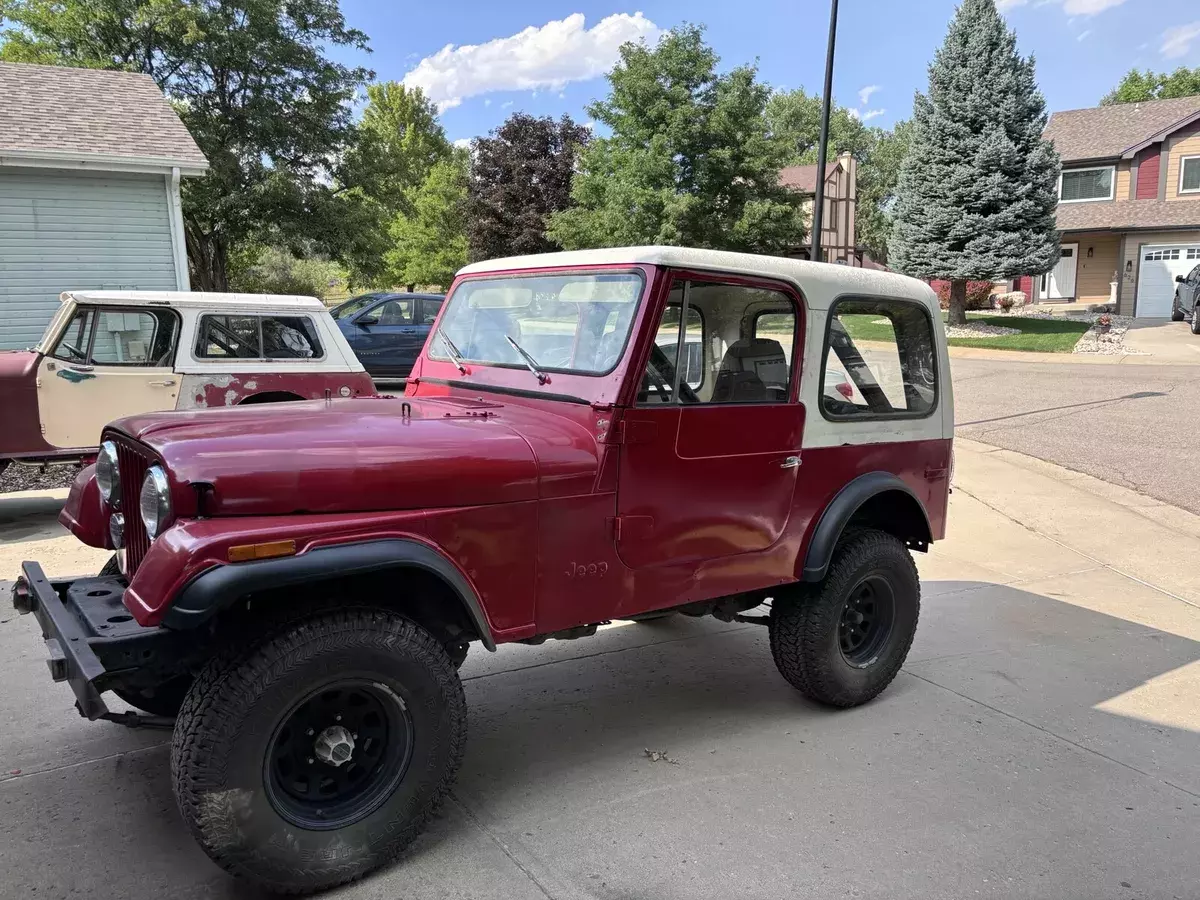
(291, 811)
(338, 754)
(866, 621)
(842, 641)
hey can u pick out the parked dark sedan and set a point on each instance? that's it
(386, 331)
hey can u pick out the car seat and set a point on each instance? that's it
(753, 370)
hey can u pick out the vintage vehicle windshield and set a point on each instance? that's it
(575, 323)
(64, 313)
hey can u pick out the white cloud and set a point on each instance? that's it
(487, 102)
(864, 95)
(1177, 41)
(1084, 35)
(462, 143)
(590, 125)
(855, 114)
(1006, 5)
(506, 104)
(549, 56)
(872, 114)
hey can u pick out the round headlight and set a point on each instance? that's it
(155, 501)
(108, 475)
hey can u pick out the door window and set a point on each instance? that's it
(884, 351)
(394, 312)
(734, 346)
(257, 337)
(429, 310)
(128, 338)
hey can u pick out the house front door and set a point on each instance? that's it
(1059, 283)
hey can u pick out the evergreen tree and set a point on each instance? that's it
(978, 189)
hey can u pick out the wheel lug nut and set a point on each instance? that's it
(310, 760)
(337, 718)
(310, 732)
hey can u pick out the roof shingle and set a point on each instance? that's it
(1108, 131)
(1128, 215)
(68, 111)
(804, 178)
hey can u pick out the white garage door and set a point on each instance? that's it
(1156, 280)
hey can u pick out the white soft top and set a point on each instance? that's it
(821, 283)
(195, 299)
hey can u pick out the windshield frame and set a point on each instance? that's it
(437, 354)
(54, 328)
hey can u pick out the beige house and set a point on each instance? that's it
(841, 205)
(1129, 205)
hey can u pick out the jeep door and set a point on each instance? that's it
(108, 363)
(711, 446)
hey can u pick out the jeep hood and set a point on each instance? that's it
(340, 456)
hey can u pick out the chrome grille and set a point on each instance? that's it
(133, 461)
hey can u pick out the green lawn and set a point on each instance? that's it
(1037, 335)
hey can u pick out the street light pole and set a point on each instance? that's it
(823, 144)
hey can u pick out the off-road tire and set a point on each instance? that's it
(1195, 323)
(1176, 312)
(110, 568)
(805, 622)
(166, 699)
(227, 723)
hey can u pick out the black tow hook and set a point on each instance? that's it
(139, 720)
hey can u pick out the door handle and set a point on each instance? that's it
(80, 368)
(166, 382)
(792, 462)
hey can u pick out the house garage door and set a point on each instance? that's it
(1156, 279)
(63, 230)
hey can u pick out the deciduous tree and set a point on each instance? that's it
(978, 189)
(520, 175)
(429, 243)
(1138, 86)
(689, 160)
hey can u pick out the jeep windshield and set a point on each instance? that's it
(577, 323)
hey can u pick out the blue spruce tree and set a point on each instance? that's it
(978, 189)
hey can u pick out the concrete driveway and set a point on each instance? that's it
(1169, 343)
(1041, 741)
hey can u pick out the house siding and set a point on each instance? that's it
(1095, 274)
(64, 230)
(1134, 242)
(1185, 142)
(1149, 163)
(1123, 177)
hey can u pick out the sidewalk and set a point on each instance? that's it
(1158, 342)
(1041, 740)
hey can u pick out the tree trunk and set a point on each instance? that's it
(958, 302)
(206, 260)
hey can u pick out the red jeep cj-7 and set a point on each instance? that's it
(612, 434)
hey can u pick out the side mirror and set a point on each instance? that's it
(366, 321)
(1180, 279)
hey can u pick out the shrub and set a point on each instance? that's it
(276, 271)
(979, 294)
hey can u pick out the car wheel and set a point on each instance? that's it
(1176, 312)
(1196, 318)
(164, 700)
(841, 642)
(321, 752)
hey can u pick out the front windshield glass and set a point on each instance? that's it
(64, 312)
(353, 305)
(566, 322)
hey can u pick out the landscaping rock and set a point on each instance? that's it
(979, 329)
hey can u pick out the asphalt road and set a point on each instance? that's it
(1135, 426)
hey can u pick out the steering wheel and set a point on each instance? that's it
(660, 362)
(74, 351)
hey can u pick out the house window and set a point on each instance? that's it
(1076, 185)
(1189, 175)
(1162, 255)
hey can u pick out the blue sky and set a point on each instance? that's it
(548, 58)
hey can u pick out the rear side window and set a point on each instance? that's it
(257, 337)
(429, 310)
(879, 361)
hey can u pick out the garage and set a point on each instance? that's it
(1160, 263)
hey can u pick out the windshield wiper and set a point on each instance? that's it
(542, 377)
(455, 356)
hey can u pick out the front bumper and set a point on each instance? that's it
(94, 643)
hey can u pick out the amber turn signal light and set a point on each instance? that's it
(269, 550)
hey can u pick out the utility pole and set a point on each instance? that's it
(823, 144)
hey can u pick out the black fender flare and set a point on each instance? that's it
(217, 588)
(841, 509)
